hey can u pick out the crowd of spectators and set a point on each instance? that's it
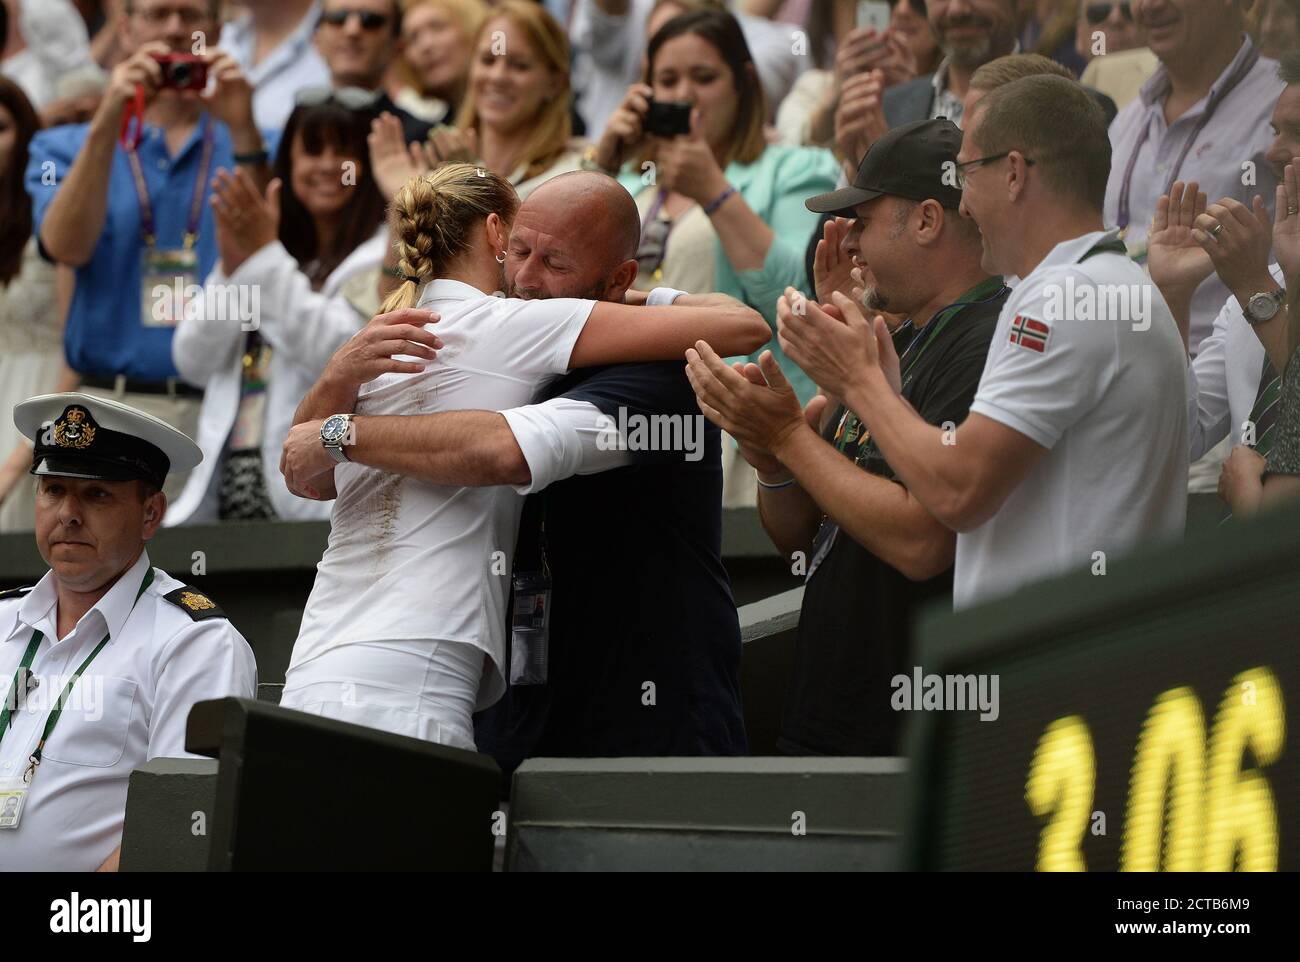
(212, 210)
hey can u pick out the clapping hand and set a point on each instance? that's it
(833, 269)
(1286, 223)
(392, 161)
(1176, 261)
(246, 220)
(836, 346)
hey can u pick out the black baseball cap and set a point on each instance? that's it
(915, 160)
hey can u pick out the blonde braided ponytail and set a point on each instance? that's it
(435, 216)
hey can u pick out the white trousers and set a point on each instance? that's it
(424, 689)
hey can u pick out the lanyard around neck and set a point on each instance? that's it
(147, 226)
(56, 711)
(1216, 98)
(937, 323)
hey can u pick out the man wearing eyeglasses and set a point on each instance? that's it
(273, 44)
(124, 201)
(1075, 448)
(1108, 38)
(359, 40)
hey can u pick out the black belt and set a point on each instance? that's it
(121, 384)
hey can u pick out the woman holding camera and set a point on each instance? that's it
(721, 209)
(301, 263)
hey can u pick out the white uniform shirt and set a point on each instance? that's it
(1224, 378)
(409, 560)
(130, 705)
(1108, 401)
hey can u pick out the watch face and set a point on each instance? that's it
(334, 428)
(1263, 306)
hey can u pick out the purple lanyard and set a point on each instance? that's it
(147, 225)
(1216, 98)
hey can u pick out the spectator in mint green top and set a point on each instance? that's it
(721, 209)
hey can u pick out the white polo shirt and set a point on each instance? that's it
(130, 705)
(1105, 391)
(409, 560)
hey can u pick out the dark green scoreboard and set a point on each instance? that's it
(1147, 717)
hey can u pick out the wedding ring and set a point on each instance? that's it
(1291, 212)
(1216, 230)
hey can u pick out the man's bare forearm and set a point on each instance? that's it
(875, 512)
(790, 517)
(463, 448)
(327, 396)
(75, 218)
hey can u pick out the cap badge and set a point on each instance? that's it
(74, 429)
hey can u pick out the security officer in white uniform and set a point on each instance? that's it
(102, 659)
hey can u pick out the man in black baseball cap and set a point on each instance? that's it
(878, 555)
(916, 161)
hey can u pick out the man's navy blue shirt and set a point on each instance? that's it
(640, 595)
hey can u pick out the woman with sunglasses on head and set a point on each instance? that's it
(722, 210)
(405, 626)
(300, 265)
(437, 44)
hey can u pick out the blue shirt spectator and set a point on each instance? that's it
(104, 334)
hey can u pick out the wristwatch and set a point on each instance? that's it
(335, 432)
(1264, 306)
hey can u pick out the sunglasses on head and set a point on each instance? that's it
(369, 19)
(353, 98)
(1098, 12)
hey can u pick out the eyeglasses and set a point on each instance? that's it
(157, 16)
(369, 19)
(352, 98)
(968, 165)
(1098, 12)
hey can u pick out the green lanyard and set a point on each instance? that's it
(57, 711)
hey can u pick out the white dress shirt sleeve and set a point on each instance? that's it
(1207, 408)
(563, 437)
(209, 659)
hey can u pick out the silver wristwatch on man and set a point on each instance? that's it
(1264, 306)
(336, 431)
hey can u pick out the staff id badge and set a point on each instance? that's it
(530, 628)
(169, 278)
(13, 795)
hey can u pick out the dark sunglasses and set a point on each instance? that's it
(1098, 12)
(369, 19)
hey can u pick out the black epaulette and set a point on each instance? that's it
(15, 592)
(194, 603)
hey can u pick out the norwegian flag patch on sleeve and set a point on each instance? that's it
(1030, 333)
